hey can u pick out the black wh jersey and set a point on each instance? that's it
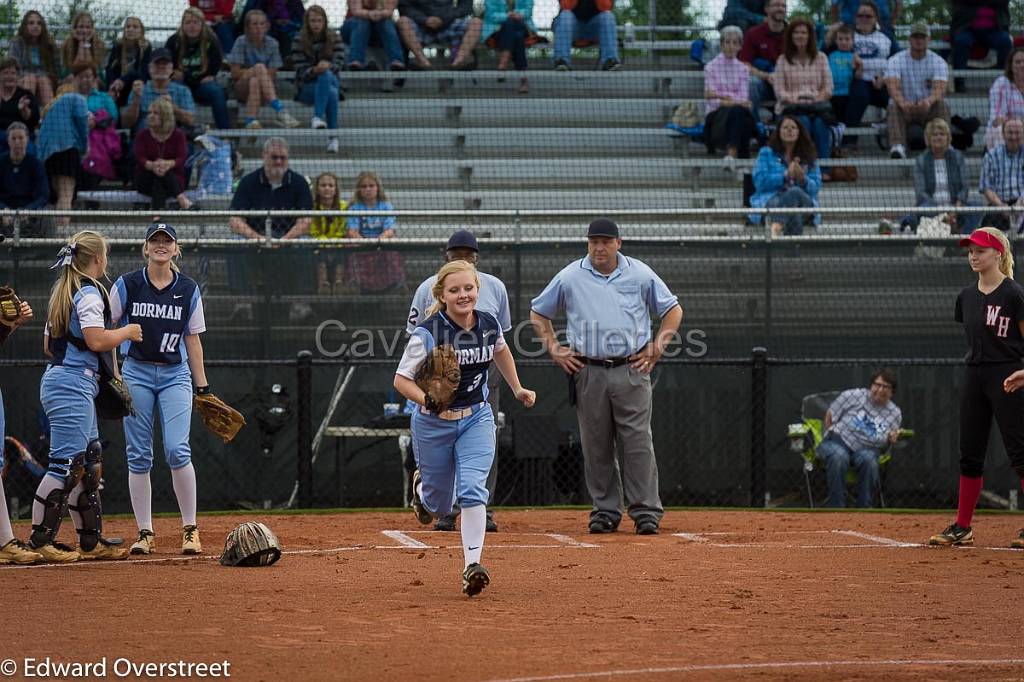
(166, 315)
(475, 348)
(991, 323)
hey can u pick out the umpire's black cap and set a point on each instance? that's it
(463, 239)
(161, 227)
(603, 227)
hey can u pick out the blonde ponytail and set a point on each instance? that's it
(1006, 262)
(81, 250)
(438, 289)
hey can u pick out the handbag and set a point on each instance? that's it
(685, 115)
(822, 110)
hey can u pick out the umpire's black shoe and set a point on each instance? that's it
(474, 579)
(647, 527)
(445, 523)
(492, 526)
(600, 523)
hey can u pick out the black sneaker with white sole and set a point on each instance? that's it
(953, 535)
(474, 579)
(422, 515)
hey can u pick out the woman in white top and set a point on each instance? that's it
(1006, 98)
(940, 179)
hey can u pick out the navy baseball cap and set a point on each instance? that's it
(161, 53)
(161, 227)
(603, 227)
(463, 239)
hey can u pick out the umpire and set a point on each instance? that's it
(493, 299)
(607, 296)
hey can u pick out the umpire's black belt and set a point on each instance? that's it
(607, 363)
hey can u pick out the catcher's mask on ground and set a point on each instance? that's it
(251, 544)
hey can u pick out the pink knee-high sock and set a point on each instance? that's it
(970, 491)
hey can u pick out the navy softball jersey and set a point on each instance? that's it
(166, 315)
(991, 323)
(474, 347)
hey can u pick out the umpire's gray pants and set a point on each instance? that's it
(609, 403)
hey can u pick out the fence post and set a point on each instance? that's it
(304, 438)
(758, 424)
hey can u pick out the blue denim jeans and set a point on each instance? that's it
(759, 91)
(511, 37)
(794, 197)
(211, 94)
(997, 40)
(356, 32)
(820, 133)
(323, 95)
(601, 28)
(225, 31)
(837, 458)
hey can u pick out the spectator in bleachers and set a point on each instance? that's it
(254, 62)
(84, 81)
(587, 21)
(984, 22)
(100, 162)
(845, 67)
(744, 14)
(887, 13)
(369, 196)
(284, 17)
(275, 187)
(197, 59)
(318, 58)
(159, 86)
(218, 15)
(940, 178)
(916, 80)
(128, 60)
(729, 123)
(327, 197)
(160, 153)
(509, 27)
(23, 182)
(83, 44)
(362, 22)
(1002, 175)
(762, 46)
(803, 84)
(872, 48)
(16, 103)
(37, 56)
(1006, 97)
(439, 22)
(786, 175)
(63, 142)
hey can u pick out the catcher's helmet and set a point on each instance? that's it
(251, 544)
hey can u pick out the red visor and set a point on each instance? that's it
(982, 238)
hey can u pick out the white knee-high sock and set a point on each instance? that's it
(46, 486)
(474, 525)
(184, 480)
(6, 532)
(142, 499)
(73, 500)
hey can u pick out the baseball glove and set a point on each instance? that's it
(439, 378)
(219, 417)
(10, 306)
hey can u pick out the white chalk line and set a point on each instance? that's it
(888, 542)
(874, 541)
(712, 667)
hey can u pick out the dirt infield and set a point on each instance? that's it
(718, 595)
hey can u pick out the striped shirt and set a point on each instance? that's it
(1003, 173)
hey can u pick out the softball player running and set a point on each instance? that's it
(12, 550)
(76, 333)
(169, 309)
(992, 313)
(454, 449)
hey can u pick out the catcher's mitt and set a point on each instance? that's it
(10, 306)
(439, 378)
(219, 417)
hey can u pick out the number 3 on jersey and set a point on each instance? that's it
(476, 382)
(169, 343)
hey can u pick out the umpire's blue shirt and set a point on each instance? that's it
(608, 315)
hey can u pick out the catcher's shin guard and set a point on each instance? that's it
(55, 505)
(88, 505)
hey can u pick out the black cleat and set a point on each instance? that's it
(474, 579)
(422, 515)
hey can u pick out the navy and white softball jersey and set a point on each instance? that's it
(991, 323)
(474, 347)
(165, 315)
(86, 312)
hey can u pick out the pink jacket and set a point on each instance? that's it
(104, 147)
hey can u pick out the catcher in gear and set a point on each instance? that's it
(160, 371)
(454, 442)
